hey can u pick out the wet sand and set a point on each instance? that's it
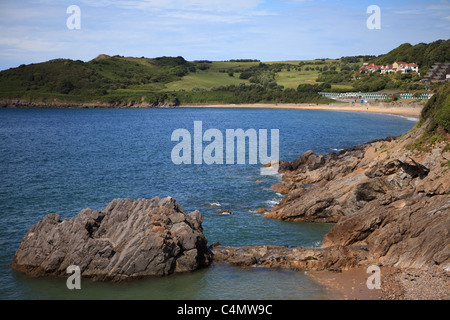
(346, 285)
(400, 109)
(396, 284)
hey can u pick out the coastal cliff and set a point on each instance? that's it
(390, 197)
(390, 202)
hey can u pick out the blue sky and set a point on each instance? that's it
(269, 30)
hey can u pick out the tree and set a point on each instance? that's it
(65, 86)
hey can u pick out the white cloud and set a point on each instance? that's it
(29, 45)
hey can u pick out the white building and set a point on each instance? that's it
(404, 67)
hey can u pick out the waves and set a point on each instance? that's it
(213, 204)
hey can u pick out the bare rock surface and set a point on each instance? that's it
(335, 258)
(384, 195)
(126, 240)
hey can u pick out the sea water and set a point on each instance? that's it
(64, 160)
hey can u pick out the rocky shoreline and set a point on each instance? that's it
(388, 198)
(20, 104)
(382, 195)
(391, 207)
(393, 108)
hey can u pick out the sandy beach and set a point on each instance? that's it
(396, 284)
(346, 285)
(400, 109)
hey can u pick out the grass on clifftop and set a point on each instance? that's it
(436, 116)
(438, 110)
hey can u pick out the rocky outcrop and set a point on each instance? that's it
(336, 258)
(128, 239)
(410, 233)
(387, 196)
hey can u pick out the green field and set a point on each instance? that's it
(288, 77)
(291, 79)
(203, 79)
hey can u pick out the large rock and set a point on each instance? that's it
(128, 239)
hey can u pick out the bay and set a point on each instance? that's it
(64, 160)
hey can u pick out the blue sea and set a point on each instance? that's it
(64, 160)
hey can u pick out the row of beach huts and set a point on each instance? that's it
(374, 96)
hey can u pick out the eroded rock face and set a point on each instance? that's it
(392, 199)
(412, 233)
(128, 239)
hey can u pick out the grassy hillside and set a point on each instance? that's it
(436, 117)
(425, 55)
(438, 110)
(127, 80)
(69, 80)
(173, 80)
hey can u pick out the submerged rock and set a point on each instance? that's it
(226, 212)
(126, 240)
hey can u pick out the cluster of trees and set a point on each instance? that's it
(425, 55)
(313, 63)
(375, 82)
(315, 88)
(202, 61)
(357, 59)
(244, 60)
(256, 70)
(60, 76)
(250, 93)
(262, 74)
(233, 94)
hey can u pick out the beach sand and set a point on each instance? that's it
(346, 285)
(396, 284)
(400, 109)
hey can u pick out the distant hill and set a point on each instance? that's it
(118, 80)
(425, 55)
(94, 78)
